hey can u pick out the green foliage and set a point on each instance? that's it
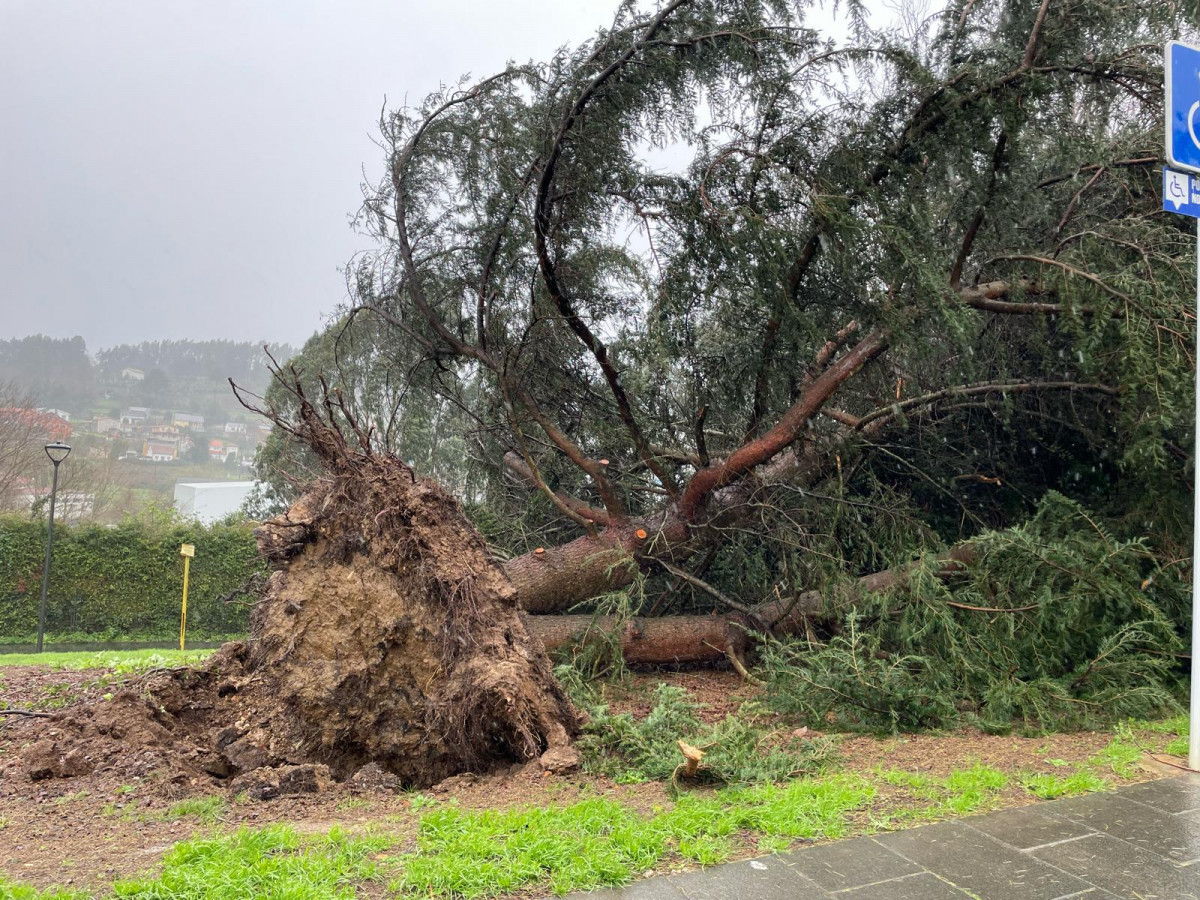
(737, 750)
(272, 862)
(1053, 625)
(126, 579)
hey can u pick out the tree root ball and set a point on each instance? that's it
(386, 636)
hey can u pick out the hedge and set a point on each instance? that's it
(124, 581)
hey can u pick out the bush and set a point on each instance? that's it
(124, 581)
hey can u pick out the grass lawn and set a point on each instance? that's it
(116, 661)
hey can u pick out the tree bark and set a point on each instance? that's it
(698, 640)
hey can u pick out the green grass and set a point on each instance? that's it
(271, 862)
(206, 809)
(1121, 756)
(1052, 787)
(600, 842)
(119, 661)
(962, 792)
(1178, 726)
(11, 891)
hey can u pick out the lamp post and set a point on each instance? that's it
(57, 452)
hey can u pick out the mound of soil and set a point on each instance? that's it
(386, 637)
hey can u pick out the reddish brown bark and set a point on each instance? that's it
(786, 431)
(664, 640)
(697, 640)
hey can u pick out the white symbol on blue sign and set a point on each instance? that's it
(1181, 193)
(1183, 106)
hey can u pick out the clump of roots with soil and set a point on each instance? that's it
(385, 635)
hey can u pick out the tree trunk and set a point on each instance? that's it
(697, 640)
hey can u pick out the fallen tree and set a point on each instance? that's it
(847, 294)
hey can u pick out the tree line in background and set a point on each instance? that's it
(188, 375)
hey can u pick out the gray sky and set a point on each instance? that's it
(174, 169)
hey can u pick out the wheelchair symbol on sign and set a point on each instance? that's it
(1178, 184)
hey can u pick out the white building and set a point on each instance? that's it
(133, 374)
(210, 501)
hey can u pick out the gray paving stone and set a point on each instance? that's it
(1172, 795)
(757, 879)
(923, 886)
(1123, 869)
(981, 865)
(849, 864)
(1028, 827)
(650, 889)
(1175, 837)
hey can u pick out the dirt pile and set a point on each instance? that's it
(386, 637)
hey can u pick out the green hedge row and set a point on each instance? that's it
(125, 581)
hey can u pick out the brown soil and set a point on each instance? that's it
(88, 829)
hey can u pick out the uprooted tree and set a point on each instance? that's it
(715, 314)
(730, 298)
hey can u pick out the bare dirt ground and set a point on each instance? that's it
(85, 831)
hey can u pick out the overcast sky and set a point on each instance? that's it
(174, 169)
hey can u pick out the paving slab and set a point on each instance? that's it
(981, 865)
(1171, 795)
(849, 864)
(650, 889)
(1124, 870)
(758, 879)
(1173, 837)
(922, 886)
(1028, 827)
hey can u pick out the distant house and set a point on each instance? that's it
(160, 449)
(106, 425)
(187, 420)
(210, 501)
(133, 374)
(61, 413)
(221, 451)
(235, 427)
(135, 416)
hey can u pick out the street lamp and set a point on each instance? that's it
(57, 452)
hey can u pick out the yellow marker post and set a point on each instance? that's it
(187, 551)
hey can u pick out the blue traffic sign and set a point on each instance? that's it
(1181, 193)
(1183, 106)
